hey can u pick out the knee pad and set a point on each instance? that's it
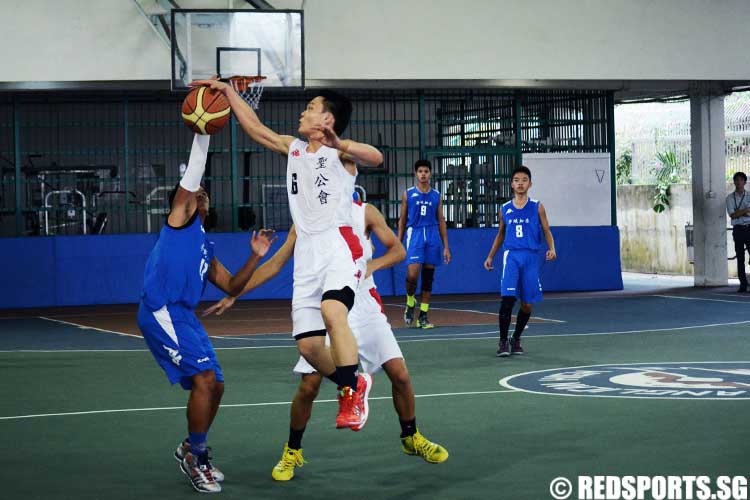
(345, 296)
(428, 274)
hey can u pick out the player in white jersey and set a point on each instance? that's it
(377, 345)
(320, 179)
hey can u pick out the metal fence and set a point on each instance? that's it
(677, 138)
(75, 163)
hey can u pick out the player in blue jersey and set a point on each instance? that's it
(522, 223)
(423, 223)
(174, 280)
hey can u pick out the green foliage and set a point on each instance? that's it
(624, 167)
(667, 174)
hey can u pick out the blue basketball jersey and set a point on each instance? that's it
(422, 207)
(177, 267)
(523, 229)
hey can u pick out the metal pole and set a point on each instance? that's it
(611, 146)
(422, 131)
(126, 161)
(17, 161)
(233, 148)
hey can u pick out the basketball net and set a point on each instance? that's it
(250, 88)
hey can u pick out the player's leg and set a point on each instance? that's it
(414, 259)
(428, 275)
(412, 278)
(412, 441)
(530, 293)
(508, 289)
(432, 257)
(522, 319)
(300, 413)
(179, 350)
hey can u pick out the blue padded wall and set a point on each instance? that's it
(108, 269)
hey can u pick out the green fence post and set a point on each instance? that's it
(126, 161)
(17, 162)
(611, 147)
(233, 149)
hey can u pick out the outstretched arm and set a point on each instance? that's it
(264, 273)
(551, 254)
(499, 238)
(223, 279)
(395, 253)
(184, 204)
(248, 120)
(443, 228)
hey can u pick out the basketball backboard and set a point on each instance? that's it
(207, 42)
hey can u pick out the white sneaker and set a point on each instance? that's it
(199, 474)
(184, 448)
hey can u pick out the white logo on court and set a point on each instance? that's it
(174, 354)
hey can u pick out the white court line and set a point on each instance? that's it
(84, 327)
(453, 336)
(432, 307)
(241, 405)
(700, 298)
(623, 332)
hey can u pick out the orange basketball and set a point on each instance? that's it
(205, 111)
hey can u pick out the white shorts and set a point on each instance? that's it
(323, 262)
(373, 334)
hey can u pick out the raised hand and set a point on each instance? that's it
(220, 306)
(262, 240)
(214, 83)
(327, 136)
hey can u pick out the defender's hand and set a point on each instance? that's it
(262, 241)
(220, 306)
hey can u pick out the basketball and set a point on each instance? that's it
(205, 111)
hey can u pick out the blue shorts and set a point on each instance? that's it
(424, 246)
(178, 342)
(521, 276)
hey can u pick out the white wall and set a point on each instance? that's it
(72, 40)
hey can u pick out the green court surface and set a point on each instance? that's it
(503, 443)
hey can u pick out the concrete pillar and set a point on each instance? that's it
(709, 185)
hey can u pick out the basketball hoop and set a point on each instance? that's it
(250, 88)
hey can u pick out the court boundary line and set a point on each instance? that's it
(677, 297)
(84, 327)
(455, 336)
(235, 405)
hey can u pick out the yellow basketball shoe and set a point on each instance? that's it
(420, 445)
(284, 470)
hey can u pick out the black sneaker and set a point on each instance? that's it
(409, 315)
(423, 322)
(503, 349)
(515, 346)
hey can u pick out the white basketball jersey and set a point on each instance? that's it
(359, 226)
(319, 189)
